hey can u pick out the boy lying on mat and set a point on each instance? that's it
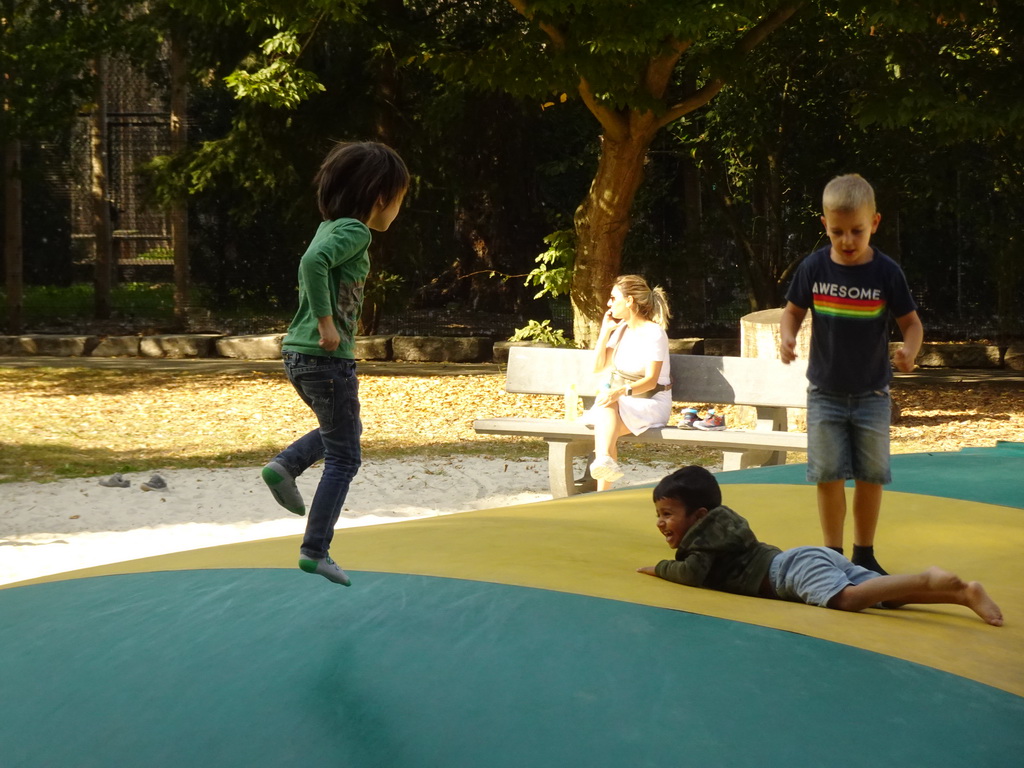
(715, 548)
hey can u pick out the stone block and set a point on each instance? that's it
(761, 335)
(178, 345)
(254, 347)
(54, 345)
(442, 349)
(935, 355)
(117, 346)
(686, 346)
(722, 347)
(1014, 359)
(10, 345)
(373, 347)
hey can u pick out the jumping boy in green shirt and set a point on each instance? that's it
(360, 187)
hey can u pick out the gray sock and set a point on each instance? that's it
(326, 567)
(282, 485)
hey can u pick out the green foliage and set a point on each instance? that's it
(47, 48)
(158, 254)
(542, 332)
(554, 271)
(251, 159)
(382, 287)
(957, 69)
(921, 95)
(800, 115)
(609, 44)
(49, 303)
(280, 82)
(46, 44)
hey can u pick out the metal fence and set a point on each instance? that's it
(137, 129)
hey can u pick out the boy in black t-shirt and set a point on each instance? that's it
(852, 289)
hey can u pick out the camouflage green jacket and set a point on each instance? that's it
(720, 552)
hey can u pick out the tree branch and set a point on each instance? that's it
(695, 100)
(767, 25)
(615, 127)
(553, 32)
(754, 37)
(660, 68)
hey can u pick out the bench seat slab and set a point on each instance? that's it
(567, 440)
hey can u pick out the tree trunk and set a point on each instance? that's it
(13, 254)
(602, 223)
(103, 254)
(179, 210)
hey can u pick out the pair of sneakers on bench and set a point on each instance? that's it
(712, 422)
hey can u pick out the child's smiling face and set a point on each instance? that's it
(673, 521)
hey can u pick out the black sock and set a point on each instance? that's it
(837, 549)
(865, 558)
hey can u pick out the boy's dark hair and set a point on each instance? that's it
(355, 176)
(693, 487)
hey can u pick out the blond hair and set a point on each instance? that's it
(848, 193)
(651, 303)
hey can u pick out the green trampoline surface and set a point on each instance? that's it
(525, 639)
(990, 475)
(264, 668)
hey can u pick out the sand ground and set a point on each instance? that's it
(48, 528)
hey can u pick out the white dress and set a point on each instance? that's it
(636, 348)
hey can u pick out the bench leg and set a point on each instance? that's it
(732, 460)
(560, 470)
(777, 420)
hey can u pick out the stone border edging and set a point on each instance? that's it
(433, 349)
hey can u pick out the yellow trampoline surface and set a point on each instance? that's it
(523, 636)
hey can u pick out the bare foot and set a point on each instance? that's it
(939, 580)
(983, 605)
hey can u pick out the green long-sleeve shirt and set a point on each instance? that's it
(720, 552)
(332, 275)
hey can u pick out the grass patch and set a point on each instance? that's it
(48, 303)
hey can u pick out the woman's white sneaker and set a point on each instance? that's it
(606, 468)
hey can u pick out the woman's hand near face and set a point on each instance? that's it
(608, 322)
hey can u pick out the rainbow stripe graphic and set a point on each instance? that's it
(855, 309)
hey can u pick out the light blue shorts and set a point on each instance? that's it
(848, 436)
(814, 575)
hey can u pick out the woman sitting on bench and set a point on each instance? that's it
(632, 348)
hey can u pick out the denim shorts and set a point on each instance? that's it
(848, 436)
(814, 575)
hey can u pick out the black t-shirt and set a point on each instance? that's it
(850, 308)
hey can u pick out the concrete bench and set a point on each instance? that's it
(765, 385)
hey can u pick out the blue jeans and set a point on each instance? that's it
(848, 436)
(328, 385)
